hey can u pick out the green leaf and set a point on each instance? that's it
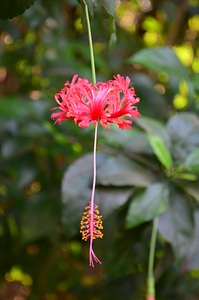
(154, 127)
(76, 192)
(193, 190)
(154, 105)
(183, 129)
(109, 5)
(12, 8)
(192, 161)
(147, 205)
(120, 171)
(160, 59)
(181, 125)
(176, 225)
(187, 176)
(160, 151)
(192, 262)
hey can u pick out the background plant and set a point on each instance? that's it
(153, 169)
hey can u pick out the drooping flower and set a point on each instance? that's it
(104, 103)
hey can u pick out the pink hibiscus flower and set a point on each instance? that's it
(104, 103)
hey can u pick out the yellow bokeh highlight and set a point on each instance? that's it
(150, 38)
(193, 23)
(16, 274)
(77, 147)
(195, 65)
(163, 77)
(151, 24)
(183, 88)
(88, 280)
(180, 101)
(78, 24)
(195, 273)
(185, 54)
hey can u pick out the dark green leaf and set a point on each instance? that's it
(192, 261)
(138, 143)
(152, 126)
(154, 105)
(76, 192)
(160, 151)
(176, 225)
(160, 59)
(147, 205)
(120, 171)
(193, 190)
(12, 8)
(192, 161)
(184, 131)
(109, 5)
(181, 125)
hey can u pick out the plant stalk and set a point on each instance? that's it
(150, 278)
(90, 43)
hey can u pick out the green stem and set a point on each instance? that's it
(150, 279)
(90, 43)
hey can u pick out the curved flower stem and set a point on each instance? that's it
(92, 204)
(90, 43)
(91, 252)
(150, 278)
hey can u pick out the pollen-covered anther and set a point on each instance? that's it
(91, 224)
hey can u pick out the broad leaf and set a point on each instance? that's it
(176, 225)
(120, 171)
(154, 105)
(139, 144)
(160, 151)
(193, 190)
(184, 131)
(192, 161)
(109, 6)
(76, 192)
(12, 8)
(192, 261)
(160, 59)
(147, 205)
(181, 125)
(154, 127)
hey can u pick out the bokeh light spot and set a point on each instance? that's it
(180, 101)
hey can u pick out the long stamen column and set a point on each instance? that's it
(91, 223)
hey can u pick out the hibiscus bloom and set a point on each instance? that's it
(104, 103)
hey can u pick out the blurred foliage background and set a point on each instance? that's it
(45, 170)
